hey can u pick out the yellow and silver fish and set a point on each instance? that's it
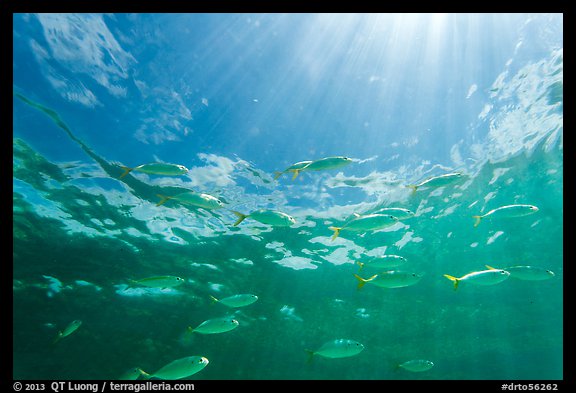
(181, 368)
(215, 326)
(437, 181)
(322, 164)
(527, 273)
(390, 279)
(269, 217)
(159, 282)
(68, 330)
(235, 301)
(506, 212)
(417, 365)
(483, 277)
(156, 168)
(369, 222)
(192, 198)
(339, 348)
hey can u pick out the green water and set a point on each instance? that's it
(80, 235)
(508, 331)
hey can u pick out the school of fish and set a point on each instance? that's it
(386, 277)
(389, 272)
(384, 265)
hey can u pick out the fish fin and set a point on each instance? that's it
(490, 267)
(143, 374)
(413, 187)
(277, 174)
(163, 199)
(214, 300)
(310, 356)
(187, 337)
(132, 283)
(476, 220)
(453, 279)
(359, 264)
(336, 232)
(296, 172)
(363, 281)
(126, 171)
(241, 217)
(57, 338)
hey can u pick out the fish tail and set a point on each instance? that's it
(144, 374)
(186, 338)
(214, 300)
(126, 171)
(359, 264)
(361, 281)
(57, 338)
(336, 232)
(163, 199)
(476, 220)
(413, 187)
(132, 283)
(310, 356)
(241, 217)
(277, 174)
(296, 172)
(453, 279)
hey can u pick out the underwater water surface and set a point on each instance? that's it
(142, 254)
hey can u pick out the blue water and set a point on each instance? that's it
(236, 97)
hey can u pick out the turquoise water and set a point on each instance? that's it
(235, 98)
